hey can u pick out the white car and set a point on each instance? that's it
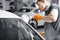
(12, 27)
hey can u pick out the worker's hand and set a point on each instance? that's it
(37, 17)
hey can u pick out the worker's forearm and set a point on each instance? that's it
(47, 19)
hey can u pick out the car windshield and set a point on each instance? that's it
(16, 29)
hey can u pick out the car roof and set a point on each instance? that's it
(6, 14)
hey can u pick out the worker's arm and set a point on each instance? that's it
(52, 17)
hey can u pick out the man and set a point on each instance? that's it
(51, 18)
